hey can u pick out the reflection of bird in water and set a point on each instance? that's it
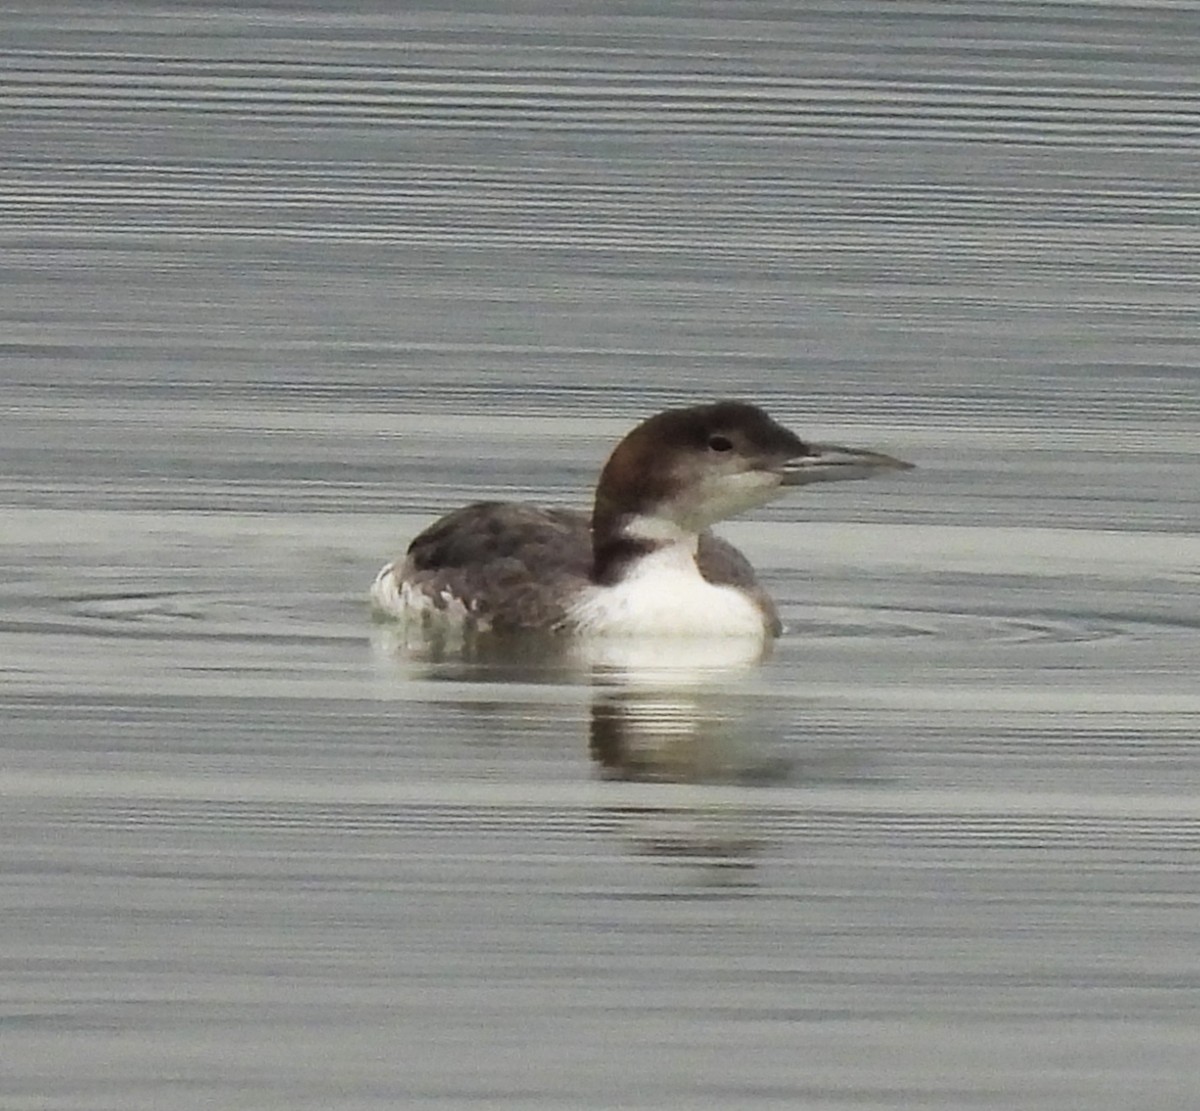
(681, 737)
(676, 736)
(644, 564)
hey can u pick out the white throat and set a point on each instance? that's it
(659, 530)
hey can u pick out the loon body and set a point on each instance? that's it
(644, 563)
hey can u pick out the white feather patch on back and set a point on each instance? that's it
(396, 598)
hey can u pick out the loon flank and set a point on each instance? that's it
(644, 564)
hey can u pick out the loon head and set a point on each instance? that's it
(683, 470)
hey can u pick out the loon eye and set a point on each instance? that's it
(720, 443)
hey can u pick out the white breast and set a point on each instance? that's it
(664, 595)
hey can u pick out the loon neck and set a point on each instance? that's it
(626, 539)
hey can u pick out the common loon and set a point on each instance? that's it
(644, 564)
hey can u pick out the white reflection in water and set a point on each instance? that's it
(661, 710)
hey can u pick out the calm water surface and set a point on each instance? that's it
(280, 283)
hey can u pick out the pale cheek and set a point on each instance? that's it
(733, 493)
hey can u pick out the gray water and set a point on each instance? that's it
(279, 283)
